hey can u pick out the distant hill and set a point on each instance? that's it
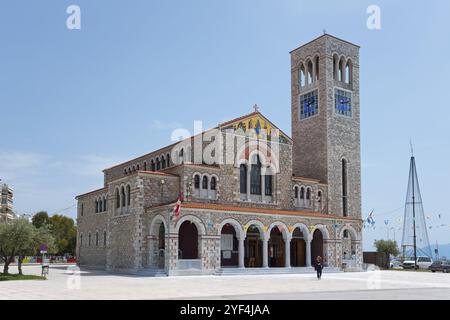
(444, 250)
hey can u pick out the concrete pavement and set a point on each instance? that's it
(63, 284)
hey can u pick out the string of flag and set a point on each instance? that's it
(370, 222)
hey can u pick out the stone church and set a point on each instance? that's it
(251, 198)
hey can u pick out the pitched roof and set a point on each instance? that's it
(219, 126)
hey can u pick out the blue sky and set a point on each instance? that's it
(73, 102)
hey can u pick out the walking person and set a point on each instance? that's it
(318, 266)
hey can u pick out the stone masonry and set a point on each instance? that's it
(280, 203)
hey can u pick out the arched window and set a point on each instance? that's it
(89, 239)
(308, 194)
(128, 195)
(243, 178)
(335, 67)
(158, 164)
(344, 188)
(302, 193)
(319, 199)
(197, 181)
(213, 183)
(82, 209)
(117, 198)
(96, 206)
(145, 165)
(296, 192)
(104, 238)
(345, 234)
(122, 195)
(181, 156)
(81, 240)
(100, 205)
(134, 168)
(137, 167)
(255, 176)
(152, 165)
(104, 204)
(96, 239)
(310, 72)
(268, 184)
(316, 74)
(301, 76)
(168, 160)
(341, 69)
(205, 182)
(163, 162)
(348, 72)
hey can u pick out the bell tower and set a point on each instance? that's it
(326, 120)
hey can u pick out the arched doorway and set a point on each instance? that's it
(317, 246)
(276, 250)
(229, 247)
(253, 248)
(348, 248)
(157, 243)
(298, 249)
(188, 241)
(161, 245)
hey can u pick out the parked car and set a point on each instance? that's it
(422, 263)
(443, 266)
(395, 263)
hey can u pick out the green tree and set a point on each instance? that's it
(41, 218)
(65, 233)
(39, 236)
(388, 246)
(19, 238)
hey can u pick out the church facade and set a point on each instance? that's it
(243, 195)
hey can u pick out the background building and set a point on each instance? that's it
(6, 203)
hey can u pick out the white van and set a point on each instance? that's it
(422, 263)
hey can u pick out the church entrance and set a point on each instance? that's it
(229, 247)
(276, 249)
(188, 241)
(253, 248)
(161, 246)
(317, 246)
(298, 249)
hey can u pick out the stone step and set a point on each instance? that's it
(152, 273)
(262, 271)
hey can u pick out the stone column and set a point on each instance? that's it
(308, 253)
(241, 252)
(265, 253)
(287, 252)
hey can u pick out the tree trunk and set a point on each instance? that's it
(19, 265)
(6, 266)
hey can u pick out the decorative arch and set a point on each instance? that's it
(154, 225)
(284, 229)
(323, 229)
(304, 229)
(353, 233)
(240, 234)
(258, 224)
(197, 221)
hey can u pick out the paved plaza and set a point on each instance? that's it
(64, 284)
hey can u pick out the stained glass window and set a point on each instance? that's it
(309, 105)
(343, 102)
